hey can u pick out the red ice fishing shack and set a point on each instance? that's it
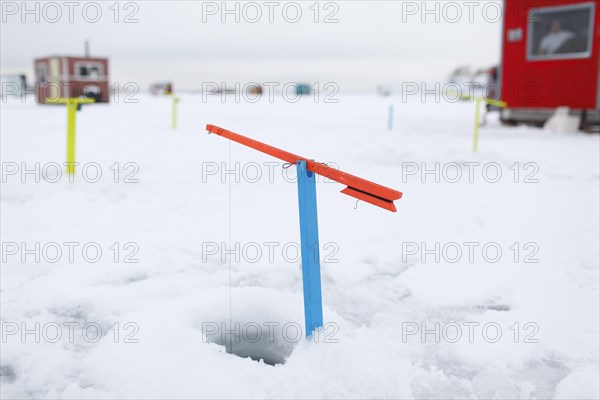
(67, 76)
(550, 58)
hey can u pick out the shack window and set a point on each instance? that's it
(88, 71)
(560, 32)
(42, 73)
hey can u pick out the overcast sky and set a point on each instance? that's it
(373, 42)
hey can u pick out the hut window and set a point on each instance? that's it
(89, 71)
(94, 71)
(560, 32)
(42, 73)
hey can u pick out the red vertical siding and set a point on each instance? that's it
(546, 83)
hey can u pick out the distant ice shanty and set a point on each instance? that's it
(550, 59)
(67, 76)
(164, 88)
(13, 84)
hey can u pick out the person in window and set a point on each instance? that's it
(555, 39)
(94, 72)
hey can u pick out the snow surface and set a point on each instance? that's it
(371, 294)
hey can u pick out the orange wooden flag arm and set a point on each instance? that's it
(362, 189)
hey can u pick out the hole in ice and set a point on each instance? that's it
(492, 307)
(270, 353)
(7, 374)
(134, 278)
(255, 343)
(498, 307)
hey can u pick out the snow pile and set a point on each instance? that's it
(405, 319)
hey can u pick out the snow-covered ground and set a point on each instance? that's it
(527, 318)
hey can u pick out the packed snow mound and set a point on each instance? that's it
(184, 280)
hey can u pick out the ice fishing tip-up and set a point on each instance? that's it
(358, 188)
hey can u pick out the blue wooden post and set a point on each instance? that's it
(309, 235)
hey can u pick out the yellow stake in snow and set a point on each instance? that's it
(174, 115)
(478, 100)
(72, 105)
(476, 131)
